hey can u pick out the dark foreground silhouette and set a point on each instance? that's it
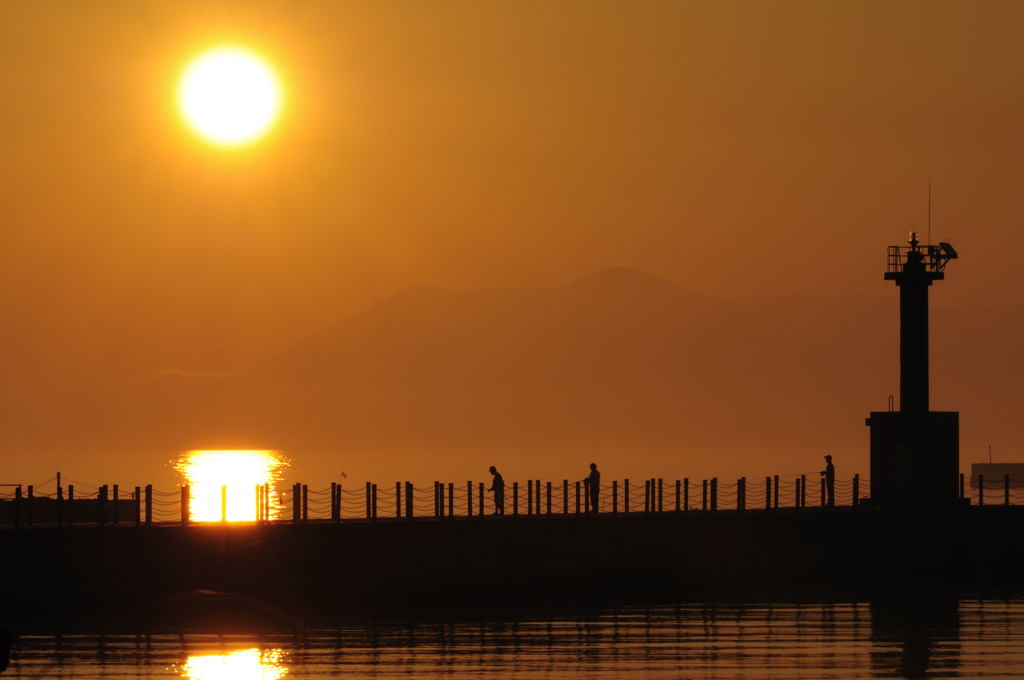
(7, 639)
(89, 578)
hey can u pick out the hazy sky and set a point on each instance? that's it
(737, 148)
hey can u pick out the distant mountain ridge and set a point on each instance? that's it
(620, 366)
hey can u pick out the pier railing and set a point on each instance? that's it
(111, 505)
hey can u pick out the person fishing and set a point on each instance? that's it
(593, 482)
(498, 489)
(829, 473)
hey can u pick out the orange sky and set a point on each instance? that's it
(736, 149)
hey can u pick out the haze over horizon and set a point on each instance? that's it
(619, 367)
(759, 156)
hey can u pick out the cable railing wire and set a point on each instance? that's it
(109, 504)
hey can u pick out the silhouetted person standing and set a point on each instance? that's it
(594, 487)
(498, 489)
(830, 482)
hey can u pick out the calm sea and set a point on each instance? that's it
(965, 639)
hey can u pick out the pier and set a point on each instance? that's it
(28, 506)
(87, 576)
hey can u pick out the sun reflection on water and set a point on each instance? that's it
(206, 472)
(244, 664)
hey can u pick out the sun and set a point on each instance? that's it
(229, 96)
(222, 483)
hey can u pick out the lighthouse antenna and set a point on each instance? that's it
(929, 207)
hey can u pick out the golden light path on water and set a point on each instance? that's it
(207, 472)
(244, 664)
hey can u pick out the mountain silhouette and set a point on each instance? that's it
(615, 363)
(621, 366)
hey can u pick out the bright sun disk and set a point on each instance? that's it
(216, 476)
(229, 96)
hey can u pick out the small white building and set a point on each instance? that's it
(995, 475)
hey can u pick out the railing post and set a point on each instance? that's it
(625, 495)
(58, 501)
(548, 489)
(714, 494)
(398, 500)
(149, 505)
(529, 496)
(739, 494)
(775, 498)
(451, 499)
(409, 510)
(565, 496)
(30, 506)
(469, 499)
(615, 496)
(369, 500)
(101, 504)
(661, 494)
(796, 493)
(647, 496)
(296, 503)
(856, 491)
(577, 498)
(334, 501)
(803, 491)
(373, 507)
(981, 490)
(480, 498)
(436, 501)
(305, 503)
(678, 499)
(515, 499)
(60, 506)
(767, 493)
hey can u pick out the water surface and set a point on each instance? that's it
(967, 639)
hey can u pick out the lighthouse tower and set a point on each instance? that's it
(915, 452)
